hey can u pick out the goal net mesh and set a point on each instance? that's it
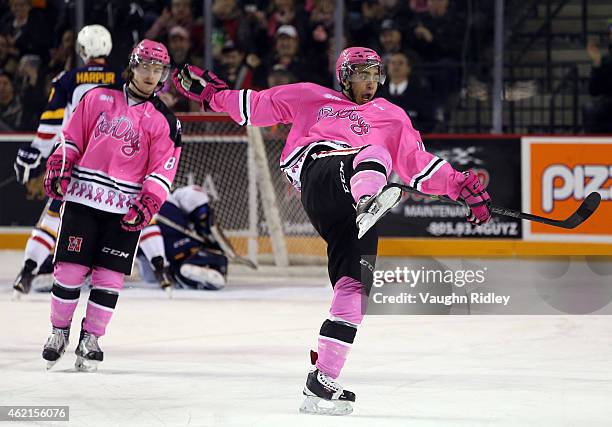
(216, 155)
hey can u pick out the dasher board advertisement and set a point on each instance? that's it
(558, 173)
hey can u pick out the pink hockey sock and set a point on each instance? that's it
(338, 333)
(102, 300)
(67, 281)
(371, 167)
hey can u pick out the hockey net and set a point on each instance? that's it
(254, 203)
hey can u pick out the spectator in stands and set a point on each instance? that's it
(23, 29)
(280, 76)
(62, 57)
(437, 37)
(286, 53)
(230, 23)
(389, 38)
(418, 6)
(180, 13)
(408, 93)
(234, 70)
(30, 90)
(179, 48)
(598, 114)
(317, 41)
(11, 110)
(398, 10)
(9, 56)
(284, 12)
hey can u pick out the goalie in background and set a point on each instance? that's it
(186, 221)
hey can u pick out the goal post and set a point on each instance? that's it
(253, 202)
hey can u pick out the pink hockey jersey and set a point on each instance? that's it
(120, 148)
(321, 114)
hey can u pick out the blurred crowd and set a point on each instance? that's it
(255, 44)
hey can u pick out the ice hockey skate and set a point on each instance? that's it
(23, 282)
(324, 396)
(55, 346)
(162, 274)
(370, 209)
(88, 353)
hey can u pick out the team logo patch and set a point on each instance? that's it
(357, 123)
(74, 244)
(120, 129)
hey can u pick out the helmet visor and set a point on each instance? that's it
(159, 70)
(368, 72)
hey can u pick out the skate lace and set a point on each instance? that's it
(90, 342)
(57, 339)
(328, 382)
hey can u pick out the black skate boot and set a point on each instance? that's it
(324, 396)
(162, 274)
(55, 346)
(88, 352)
(372, 208)
(23, 282)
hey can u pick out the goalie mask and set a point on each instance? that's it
(148, 53)
(352, 63)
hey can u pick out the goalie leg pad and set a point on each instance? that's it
(201, 277)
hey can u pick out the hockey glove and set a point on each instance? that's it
(27, 164)
(56, 181)
(142, 209)
(202, 219)
(477, 199)
(197, 84)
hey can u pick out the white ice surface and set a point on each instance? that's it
(240, 356)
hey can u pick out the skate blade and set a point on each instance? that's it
(17, 295)
(51, 364)
(388, 199)
(86, 365)
(168, 291)
(316, 406)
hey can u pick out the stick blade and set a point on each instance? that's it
(586, 209)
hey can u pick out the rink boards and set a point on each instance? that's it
(547, 176)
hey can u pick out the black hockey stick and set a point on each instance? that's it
(584, 211)
(228, 250)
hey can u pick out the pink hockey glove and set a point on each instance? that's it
(55, 181)
(197, 84)
(477, 198)
(141, 211)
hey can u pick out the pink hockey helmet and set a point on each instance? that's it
(152, 52)
(352, 56)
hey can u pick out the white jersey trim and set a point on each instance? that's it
(427, 172)
(292, 166)
(244, 106)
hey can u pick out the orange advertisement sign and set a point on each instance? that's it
(557, 174)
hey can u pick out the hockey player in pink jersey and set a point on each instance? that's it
(113, 171)
(339, 153)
